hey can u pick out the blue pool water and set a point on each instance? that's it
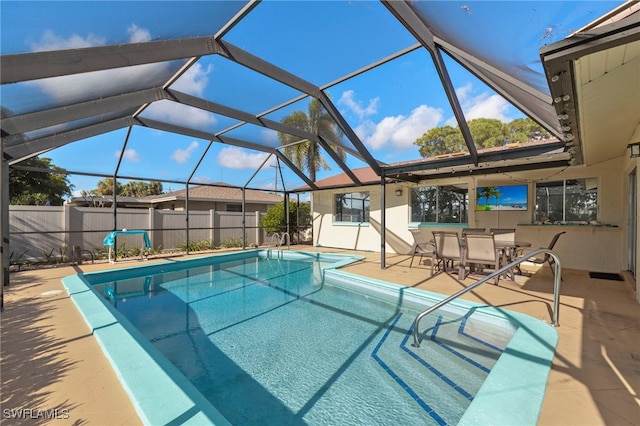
(267, 341)
(293, 341)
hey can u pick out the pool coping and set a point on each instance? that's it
(159, 391)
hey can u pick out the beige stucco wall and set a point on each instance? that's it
(602, 249)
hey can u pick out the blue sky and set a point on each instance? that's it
(389, 107)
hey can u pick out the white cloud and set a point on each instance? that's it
(238, 158)
(129, 154)
(400, 131)
(483, 105)
(194, 80)
(347, 100)
(201, 179)
(137, 34)
(74, 88)
(179, 114)
(182, 155)
(51, 41)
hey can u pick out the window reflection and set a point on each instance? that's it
(573, 200)
(440, 204)
(352, 207)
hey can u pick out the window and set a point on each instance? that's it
(574, 200)
(352, 207)
(234, 208)
(440, 204)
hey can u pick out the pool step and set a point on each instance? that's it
(445, 371)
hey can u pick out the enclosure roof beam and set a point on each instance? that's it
(54, 116)
(412, 22)
(550, 148)
(297, 171)
(351, 135)
(327, 147)
(246, 117)
(37, 65)
(28, 149)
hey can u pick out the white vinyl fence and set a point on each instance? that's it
(37, 232)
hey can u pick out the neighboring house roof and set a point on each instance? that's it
(366, 175)
(219, 192)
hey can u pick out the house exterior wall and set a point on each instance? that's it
(586, 247)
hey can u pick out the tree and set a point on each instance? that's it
(306, 155)
(440, 140)
(486, 133)
(105, 187)
(129, 189)
(141, 189)
(274, 219)
(525, 129)
(38, 188)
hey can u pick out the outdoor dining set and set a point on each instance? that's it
(476, 250)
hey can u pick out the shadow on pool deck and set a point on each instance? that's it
(50, 361)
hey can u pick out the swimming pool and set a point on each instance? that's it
(295, 341)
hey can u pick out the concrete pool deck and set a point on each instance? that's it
(50, 360)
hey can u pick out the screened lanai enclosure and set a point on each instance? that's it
(276, 97)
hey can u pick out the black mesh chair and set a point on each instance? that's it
(547, 257)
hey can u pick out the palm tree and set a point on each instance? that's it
(306, 154)
(487, 192)
(105, 187)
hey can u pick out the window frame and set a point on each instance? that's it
(463, 205)
(338, 214)
(563, 183)
(234, 208)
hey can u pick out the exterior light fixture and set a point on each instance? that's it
(635, 149)
(398, 192)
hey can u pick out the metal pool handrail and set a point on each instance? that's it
(556, 290)
(279, 239)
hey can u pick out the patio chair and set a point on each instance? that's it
(481, 250)
(448, 250)
(504, 237)
(466, 231)
(504, 234)
(423, 248)
(547, 257)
